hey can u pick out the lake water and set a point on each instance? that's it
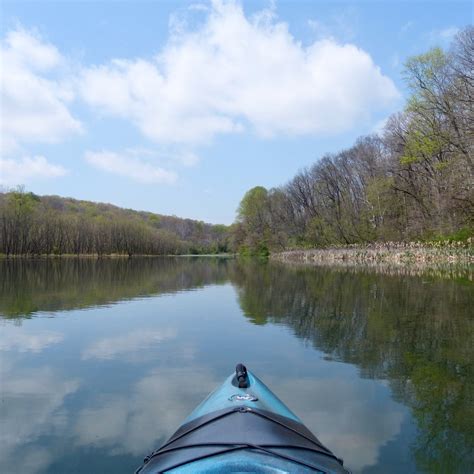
(101, 360)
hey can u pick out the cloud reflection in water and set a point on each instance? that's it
(123, 345)
(32, 406)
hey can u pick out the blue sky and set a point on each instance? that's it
(181, 107)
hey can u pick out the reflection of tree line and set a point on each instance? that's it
(27, 286)
(415, 332)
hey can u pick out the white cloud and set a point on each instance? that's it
(443, 35)
(232, 73)
(188, 158)
(379, 126)
(320, 29)
(449, 33)
(220, 72)
(130, 167)
(23, 170)
(34, 104)
(119, 346)
(341, 24)
(170, 155)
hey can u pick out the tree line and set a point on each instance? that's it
(414, 180)
(51, 225)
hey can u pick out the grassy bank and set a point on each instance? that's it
(398, 253)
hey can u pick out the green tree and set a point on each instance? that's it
(254, 216)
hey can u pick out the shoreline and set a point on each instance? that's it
(398, 254)
(109, 256)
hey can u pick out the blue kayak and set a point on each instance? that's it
(242, 427)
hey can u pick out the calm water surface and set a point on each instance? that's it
(102, 360)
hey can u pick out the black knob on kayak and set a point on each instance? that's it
(241, 374)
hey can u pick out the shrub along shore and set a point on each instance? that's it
(398, 253)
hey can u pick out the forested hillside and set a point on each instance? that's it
(415, 180)
(46, 225)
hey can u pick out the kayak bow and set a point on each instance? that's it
(242, 427)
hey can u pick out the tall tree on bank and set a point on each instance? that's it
(415, 180)
(253, 218)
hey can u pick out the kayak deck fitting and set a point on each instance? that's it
(242, 427)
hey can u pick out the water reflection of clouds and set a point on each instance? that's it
(17, 338)
(127, 344)
(32, 406)
(157, 405)
(353, 417)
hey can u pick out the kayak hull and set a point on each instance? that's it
(229, 395)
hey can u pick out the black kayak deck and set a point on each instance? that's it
(242, 428)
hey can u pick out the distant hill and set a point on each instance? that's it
(36, 225)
